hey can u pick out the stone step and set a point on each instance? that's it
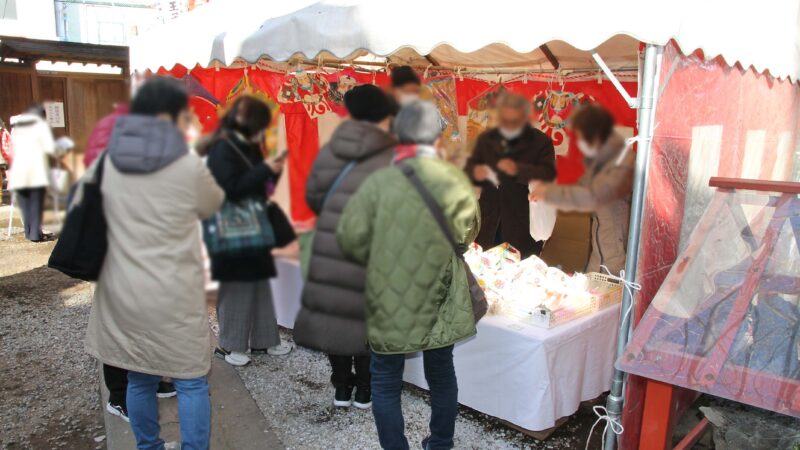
(236, 421)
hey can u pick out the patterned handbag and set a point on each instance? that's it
(239, 229)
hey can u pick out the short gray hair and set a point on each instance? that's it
(418, 123)
(514, 101)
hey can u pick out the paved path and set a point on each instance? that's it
(236, 421)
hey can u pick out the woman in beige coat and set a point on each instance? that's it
(149, 313)
(604, 190)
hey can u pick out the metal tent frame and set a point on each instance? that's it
(645, 103)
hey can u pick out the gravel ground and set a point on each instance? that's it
(49, 389)
(48, 393)
(294, 394)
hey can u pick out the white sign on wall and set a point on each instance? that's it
(54, 111)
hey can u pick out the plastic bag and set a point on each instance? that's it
(59, 180)
(543, 220)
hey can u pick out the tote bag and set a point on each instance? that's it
(82, 246)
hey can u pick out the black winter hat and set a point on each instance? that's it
(367, 102)
(404, 75)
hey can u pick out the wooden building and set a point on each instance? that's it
(86, 97)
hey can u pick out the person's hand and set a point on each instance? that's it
(276, 165)
(508, 166)
(538, 191)
(480, 172)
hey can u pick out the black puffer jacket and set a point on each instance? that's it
(239, 180)
(332, 317)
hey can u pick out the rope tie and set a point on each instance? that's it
(602, 416)
(629, 286)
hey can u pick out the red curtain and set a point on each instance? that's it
(302, 132)
(302, 137)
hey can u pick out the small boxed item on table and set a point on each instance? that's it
(556, 308)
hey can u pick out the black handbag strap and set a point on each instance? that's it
(238, 150)
(433, 207)
(98, 174)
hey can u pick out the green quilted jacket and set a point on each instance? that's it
(416, 288)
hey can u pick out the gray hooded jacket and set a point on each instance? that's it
(332, 316)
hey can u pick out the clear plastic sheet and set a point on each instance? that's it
(443, 93)
(726, 320)
(481, 114)
(711, 120)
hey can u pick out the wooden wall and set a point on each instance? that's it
(15, 93)
(86, 97)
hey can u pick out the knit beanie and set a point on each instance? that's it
(367, 102)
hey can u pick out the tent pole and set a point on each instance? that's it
(646, 103)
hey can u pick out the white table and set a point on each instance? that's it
(287, 288)
(530, 376)
(525, 375)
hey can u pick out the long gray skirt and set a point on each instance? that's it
(246, 316)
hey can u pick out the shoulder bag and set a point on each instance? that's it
(241, 228)
(479, 304)
(307, 243)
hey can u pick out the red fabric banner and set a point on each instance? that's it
(302, 137)
(302, 132)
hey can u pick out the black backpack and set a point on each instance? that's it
(82, 246)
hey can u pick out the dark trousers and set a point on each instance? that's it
(117, 384)
(342, 371)
(387, 384)
(31, 204)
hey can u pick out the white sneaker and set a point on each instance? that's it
(237, 359)
(232, 358)
(281, 349)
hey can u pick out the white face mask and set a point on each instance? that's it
(510, 133)
(587, 150)
(406, 99)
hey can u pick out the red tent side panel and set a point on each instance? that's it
(711, 120)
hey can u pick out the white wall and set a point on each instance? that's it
(35, 19)
(100, 24)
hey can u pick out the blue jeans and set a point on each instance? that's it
(194, 411)
(387, 384)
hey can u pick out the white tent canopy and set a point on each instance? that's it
(454, 34)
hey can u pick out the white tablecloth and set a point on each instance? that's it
(286, 290)
(530, 376)
(526, 375)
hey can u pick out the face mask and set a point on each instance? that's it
(512, 133)
(192, 134)
(587, 150)
(258, 138)
(405, 99)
